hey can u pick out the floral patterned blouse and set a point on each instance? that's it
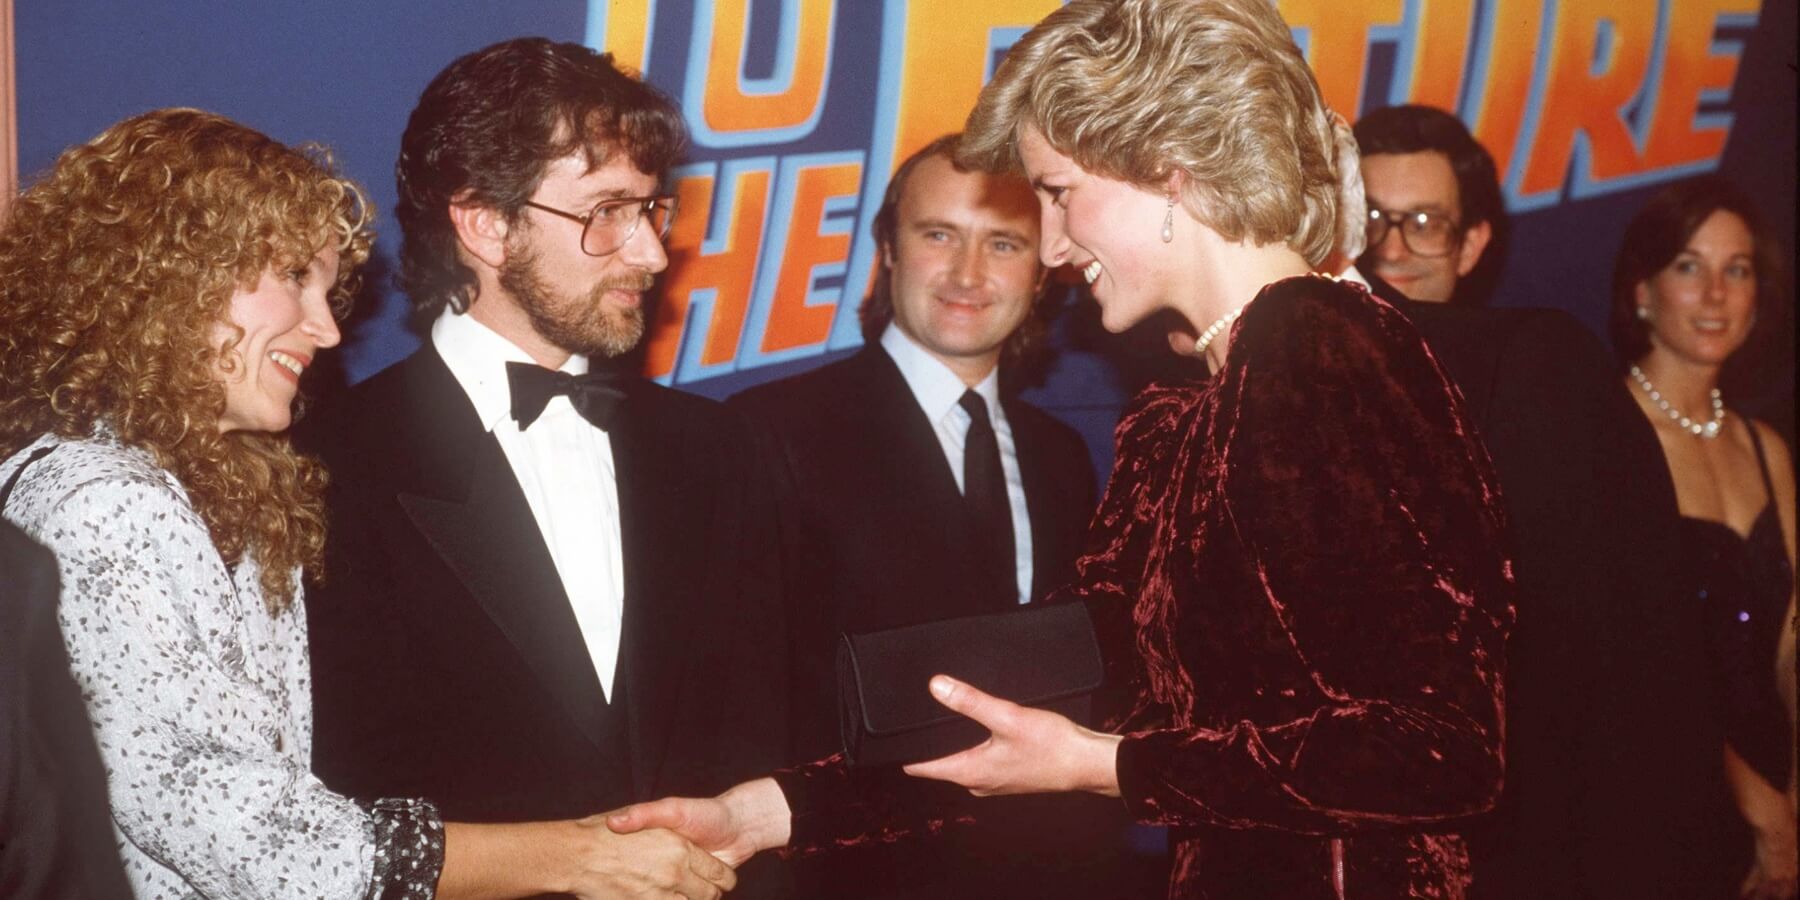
(199, 697)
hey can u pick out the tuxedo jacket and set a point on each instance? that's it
(1612, 755)
(447, 662)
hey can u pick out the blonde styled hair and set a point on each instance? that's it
(115, 268)
(1138, 89)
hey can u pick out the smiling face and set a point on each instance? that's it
(273, 331)
(1109, 230)
(592, 305)
(963, 262)
(1702, 304)
(1421, 182)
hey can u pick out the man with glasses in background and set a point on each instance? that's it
(1434, 205)
(549, 587)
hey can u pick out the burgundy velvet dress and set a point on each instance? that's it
(1301, 567)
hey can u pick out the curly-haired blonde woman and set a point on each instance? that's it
(162, 289)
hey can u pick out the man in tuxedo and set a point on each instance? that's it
(921, 487)
(1435, 210)
(549, 587)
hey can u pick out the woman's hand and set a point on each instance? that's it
(647, 864)
(1776, 873)
(1029, 750)
(733, 826)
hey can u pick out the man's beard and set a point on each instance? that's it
(588, 325)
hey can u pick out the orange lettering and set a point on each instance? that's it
(793, 322)
(1443, 51)
(1690, 69)
(624, 31)
(1582, 97)
(946, 61)
(1512, 42)
(1338, 44)
(728, 272)
(727, 108)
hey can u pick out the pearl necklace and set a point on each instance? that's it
(1212, 331)
(1707, 430)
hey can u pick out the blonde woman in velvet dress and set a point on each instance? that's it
(1300, 562)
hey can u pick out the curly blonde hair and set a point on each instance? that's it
(115, 268)
(1136, 89)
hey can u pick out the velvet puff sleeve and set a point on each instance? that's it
(1339, 591)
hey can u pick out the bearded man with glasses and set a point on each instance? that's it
(548, 570)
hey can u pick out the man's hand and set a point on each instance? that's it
(658, 863)
(582, 857)
(1029, 750)
(733, 826)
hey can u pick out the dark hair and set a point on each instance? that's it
(1658, 234)
(877, 310)
(1418, 129)
(486, 128)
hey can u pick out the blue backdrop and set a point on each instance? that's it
(800, 108)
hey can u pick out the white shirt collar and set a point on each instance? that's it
(1354, 274)
(933, 384)
(477, 356)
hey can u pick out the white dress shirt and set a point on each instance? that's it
(565, 467)
(937, 389)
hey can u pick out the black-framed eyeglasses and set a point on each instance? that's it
(1427, 234)
(613, 222)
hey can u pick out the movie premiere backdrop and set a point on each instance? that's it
(800, 109)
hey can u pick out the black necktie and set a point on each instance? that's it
(595, 395)
(990, 511)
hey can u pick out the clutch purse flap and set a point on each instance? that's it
(1046, 657)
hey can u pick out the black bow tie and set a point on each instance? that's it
(596, 395)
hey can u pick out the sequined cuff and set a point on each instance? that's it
(409, 849)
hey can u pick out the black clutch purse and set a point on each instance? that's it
(1045, 657)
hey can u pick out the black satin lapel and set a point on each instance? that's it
(908, 443)
(664, 508)
(489, 538)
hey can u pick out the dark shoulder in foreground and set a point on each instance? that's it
(689, 415)
(807, 390)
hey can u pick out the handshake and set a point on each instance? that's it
(679, 846)
(690, 847)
